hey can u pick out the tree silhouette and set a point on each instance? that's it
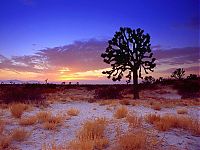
(129, 51)
(178, 73)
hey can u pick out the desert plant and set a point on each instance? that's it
(156, 106)
(129, 51)
(73, 112)
(20, 134)
(53, 122)
(124, 102)
(43, 116)
(178, 73)
(91, 136)
(192, 77)
(121, 112)
(17, 109)
(149, 80)
(182, 111)
(131, 141)
(110, 92)
(134, 121)
(28, 120)
(5, 142)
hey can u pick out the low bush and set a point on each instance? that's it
(110, 92)
(20, 134)
(121, 112)
(17, 109)
(73, 112)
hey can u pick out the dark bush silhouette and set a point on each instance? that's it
(149, 80)
(178, 73)
(109, 92)
(192, 77)
(129, 51)
(188, 88)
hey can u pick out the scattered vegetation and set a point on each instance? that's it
(5, 142)
(109, 92)
(73, 112)
(28, 120)
(91, 136)
(156, 106)
(121, 112)
(52, 122)
(43, 116)
(134, 121)
(182, 111)
(20, 134)
(167, 122)
(17, 109)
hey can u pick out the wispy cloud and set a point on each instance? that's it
(81, 61)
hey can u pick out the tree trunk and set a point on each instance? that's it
(135, 84)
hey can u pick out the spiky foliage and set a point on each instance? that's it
(129, 51)
(178, 73)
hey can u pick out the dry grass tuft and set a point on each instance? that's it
(53, 122)
(20, 134)
(2, 125)
(43, 116)
(73, 112)
(134, 121)
(182, 111)
(28, 121)
(124, 102)
(131, 141)
(17, 109)
(121, 112)
(156, 106)
(91, 136)
(5, 142)
(167, 122)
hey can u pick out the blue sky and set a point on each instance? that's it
(30, 25)
(62, 40)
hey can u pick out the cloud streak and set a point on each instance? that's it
(81, 61)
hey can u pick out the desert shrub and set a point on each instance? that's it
(167, 122)
(28, 120)
(73, 112)
(20, 94)
(17, 109)
(53, 122)
(188, 88)
(124, 102)
(110, 92)
(134, 121)
(43, 116)
(131, 141)
(5, 142)
(156, 106)
(121, 112)
(182, 111)
(20, 134)
(91, 136)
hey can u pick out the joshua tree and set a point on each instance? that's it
(178, 73)
(46, 81)
(129, 51)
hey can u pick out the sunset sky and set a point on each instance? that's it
(62, 40)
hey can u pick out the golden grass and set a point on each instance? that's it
(156, 106)
(121, 112)
(2, 125)
(124, 102)
(53, 122)
(17, 109)
(133, 141)
(134, 121)
(167, 122)
(43, 116)
(28, 120)
(182, 111)
(73, 112)
(20, 134)
(5, 142)
(91, 136)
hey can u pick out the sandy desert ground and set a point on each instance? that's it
(70, 120)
